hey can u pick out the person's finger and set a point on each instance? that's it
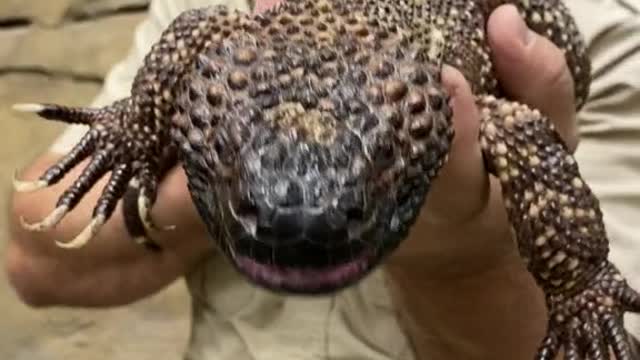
(532, 70)
(461, 188)
(264, 5)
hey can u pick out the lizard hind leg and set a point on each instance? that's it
(559, 231)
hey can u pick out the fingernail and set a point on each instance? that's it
(451, 80)
(525, 34)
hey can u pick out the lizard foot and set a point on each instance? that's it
(588, 324)
(560, 232)
(126, 155)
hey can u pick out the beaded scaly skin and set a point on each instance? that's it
(310, 135)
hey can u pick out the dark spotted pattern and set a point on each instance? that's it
(310, 136)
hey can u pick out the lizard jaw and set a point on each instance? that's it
(306, 280)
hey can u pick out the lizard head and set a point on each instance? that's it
(306, 187)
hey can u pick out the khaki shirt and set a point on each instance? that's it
(236, 321)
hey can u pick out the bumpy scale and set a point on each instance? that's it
(291, 124)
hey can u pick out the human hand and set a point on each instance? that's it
(263, 5)
(459, 281)
(531, 70)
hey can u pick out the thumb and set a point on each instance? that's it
(461, 189)
(264, 5)
(532, 70)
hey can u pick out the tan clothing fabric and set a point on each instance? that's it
(236, 321)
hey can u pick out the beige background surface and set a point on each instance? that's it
(59, 51)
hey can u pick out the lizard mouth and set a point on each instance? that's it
(302, 250)
(305, 279)
(307, 256)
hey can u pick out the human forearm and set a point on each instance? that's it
(456, 304)
(112, 270)
(455, 320)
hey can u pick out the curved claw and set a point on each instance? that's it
(85, 235)
(77, 115)
(145, 215)
(27, 186)
(28, 107)
(48, 222)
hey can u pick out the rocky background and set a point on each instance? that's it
(59, 51)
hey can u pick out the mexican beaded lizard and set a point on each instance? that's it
(310, 135)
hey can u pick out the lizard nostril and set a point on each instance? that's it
(355, 214)
(352, 204)
(384, 156)
(329, 228)
(294, 195)
(245, 205)
(287, 224)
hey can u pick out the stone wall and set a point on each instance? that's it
(59, 51)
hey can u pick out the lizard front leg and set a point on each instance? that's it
(131, 138)
(112, 147)
(560, 233)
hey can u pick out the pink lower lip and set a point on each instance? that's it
(304, 279)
